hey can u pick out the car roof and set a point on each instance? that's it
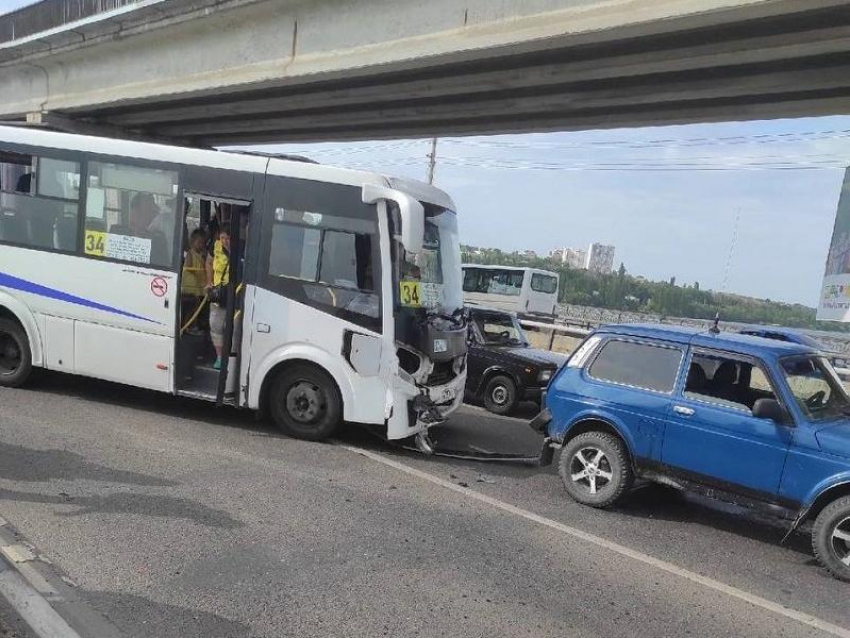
(490, 310)
(798, 336)
(729, 341)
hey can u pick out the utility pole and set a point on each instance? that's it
(432, 163)
(731, 251)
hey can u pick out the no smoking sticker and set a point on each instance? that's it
(159, 286)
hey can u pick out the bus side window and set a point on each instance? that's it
(327, 261)
(39, 201)
(131, 213)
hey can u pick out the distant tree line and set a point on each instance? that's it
(621, 291)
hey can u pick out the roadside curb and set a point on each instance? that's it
(41, 596)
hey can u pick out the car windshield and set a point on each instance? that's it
(437, 266)
(497, 328)
(816, 387)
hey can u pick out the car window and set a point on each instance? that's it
(500, 329)
(815, 387)
(638, 364)
(727, 380)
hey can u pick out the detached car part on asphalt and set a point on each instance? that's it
(755, 421)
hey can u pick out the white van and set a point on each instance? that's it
(525, 291)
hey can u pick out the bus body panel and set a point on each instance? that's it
(282, 330)
(119, 321)
(124, 316)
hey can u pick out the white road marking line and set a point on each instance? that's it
(17, 553)
(37, 581)
(670, 568)
(33, 608)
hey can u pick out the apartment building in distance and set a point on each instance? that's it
(597, 257)
(600, 258)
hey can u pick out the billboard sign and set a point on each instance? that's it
(834, 304)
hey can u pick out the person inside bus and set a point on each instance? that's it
(163, 222)
(194, 278)
(143, 210)
(218, 277)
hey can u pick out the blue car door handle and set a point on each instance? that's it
(680, 409)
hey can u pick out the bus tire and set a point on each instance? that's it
(305, 402)
(15, 354)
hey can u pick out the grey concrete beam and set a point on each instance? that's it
(213, 70)
(773, 48)
(679, 114)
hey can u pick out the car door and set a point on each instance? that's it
(633, 380)
(711, 434)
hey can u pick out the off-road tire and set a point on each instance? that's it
(614, 462)
(824, 544)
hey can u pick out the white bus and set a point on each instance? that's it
(345, 286)
(525, 291)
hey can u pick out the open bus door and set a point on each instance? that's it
(197, 376)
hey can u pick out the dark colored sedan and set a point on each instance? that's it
(503, 368)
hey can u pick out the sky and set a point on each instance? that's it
(667, 198)
(10, 5)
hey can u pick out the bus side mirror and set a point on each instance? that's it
(410, 210)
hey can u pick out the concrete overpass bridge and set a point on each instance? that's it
(216, 72)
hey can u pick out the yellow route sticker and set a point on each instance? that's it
(95, 243)
(410, 293)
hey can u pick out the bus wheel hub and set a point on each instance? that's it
(305, 402)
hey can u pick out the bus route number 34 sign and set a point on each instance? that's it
(410, 293)
(95, 243)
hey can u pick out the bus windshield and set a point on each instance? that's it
(437, 267)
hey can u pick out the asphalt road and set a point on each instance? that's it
(172, 518)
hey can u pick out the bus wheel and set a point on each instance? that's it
(305, 403)
(15, 355)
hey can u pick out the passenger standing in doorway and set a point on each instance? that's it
(194, 278)
(218, 277)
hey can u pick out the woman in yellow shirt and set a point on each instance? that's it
(218, 274)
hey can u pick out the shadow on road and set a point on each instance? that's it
(151, 618)
(128, 503)
(86, 389)
(24, 464)
(668, 504)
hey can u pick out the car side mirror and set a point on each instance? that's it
(770, 409)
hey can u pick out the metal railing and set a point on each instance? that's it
(554, 329)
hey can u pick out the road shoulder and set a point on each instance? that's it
(36, 600)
